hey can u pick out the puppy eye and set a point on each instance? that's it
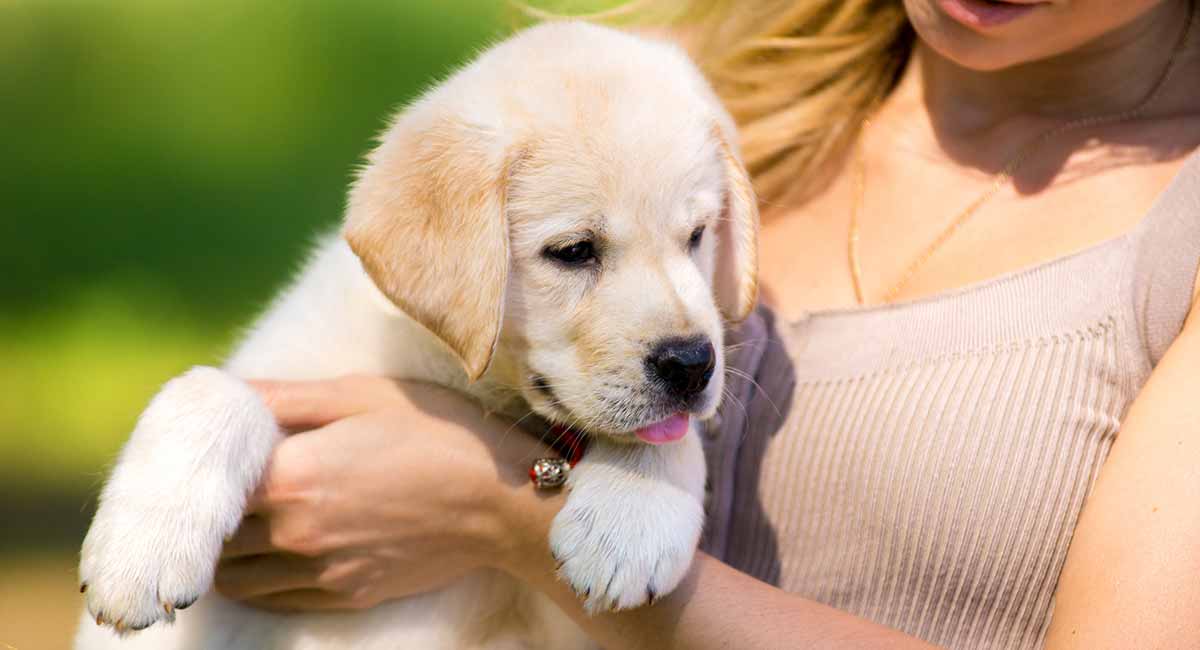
(577, 254)
(694, 240)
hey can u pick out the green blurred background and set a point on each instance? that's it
(163, 165)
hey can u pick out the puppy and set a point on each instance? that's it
(559, 227)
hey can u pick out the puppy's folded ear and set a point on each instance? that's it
(427, 218)
(736, 275)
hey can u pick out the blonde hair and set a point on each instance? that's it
(798, 76)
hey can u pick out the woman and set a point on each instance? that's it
(972, 293)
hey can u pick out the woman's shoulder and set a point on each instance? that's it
(1167, 261)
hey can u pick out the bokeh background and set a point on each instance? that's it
(163, 166)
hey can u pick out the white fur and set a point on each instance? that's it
(634, 514)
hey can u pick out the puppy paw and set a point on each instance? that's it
(141, 564)
(178, 490)
(625, 551)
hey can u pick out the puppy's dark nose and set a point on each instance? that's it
(684, 364)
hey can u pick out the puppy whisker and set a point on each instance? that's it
(727, 394)
(744, 375)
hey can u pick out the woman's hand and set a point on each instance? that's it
(393, 488)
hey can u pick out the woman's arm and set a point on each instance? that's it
(354, 512)
(1132, 576)
(716, 606)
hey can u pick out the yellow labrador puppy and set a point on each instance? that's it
(540, 232)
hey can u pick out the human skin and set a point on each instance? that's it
(967, 102)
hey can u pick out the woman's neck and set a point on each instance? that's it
(1106, 76)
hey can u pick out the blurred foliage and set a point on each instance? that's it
(165, 163)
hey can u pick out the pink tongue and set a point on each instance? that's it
(668, 430)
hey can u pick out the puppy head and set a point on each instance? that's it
(564, 204)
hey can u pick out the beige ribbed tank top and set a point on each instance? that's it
(924, 464)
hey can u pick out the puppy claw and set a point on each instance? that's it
(651, 595)
(119, 626)
(168, 608)
(99, 619)
(83, 588)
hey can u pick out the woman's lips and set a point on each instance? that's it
(982, 13)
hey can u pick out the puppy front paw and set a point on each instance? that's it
(140, 563)
(623, 552)
(179, 489)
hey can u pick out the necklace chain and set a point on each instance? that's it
(999, 181)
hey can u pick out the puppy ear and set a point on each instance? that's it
(427, 219)
(736, 275)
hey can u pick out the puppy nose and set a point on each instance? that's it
(684, 365)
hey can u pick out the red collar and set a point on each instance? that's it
(569, 443)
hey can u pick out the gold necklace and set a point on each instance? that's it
(999, 181)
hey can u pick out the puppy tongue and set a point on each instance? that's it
(668, 430)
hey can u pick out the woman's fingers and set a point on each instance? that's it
(260, 575)
(304, 405)
(253, 537)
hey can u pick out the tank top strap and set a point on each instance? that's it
(1166, 258)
